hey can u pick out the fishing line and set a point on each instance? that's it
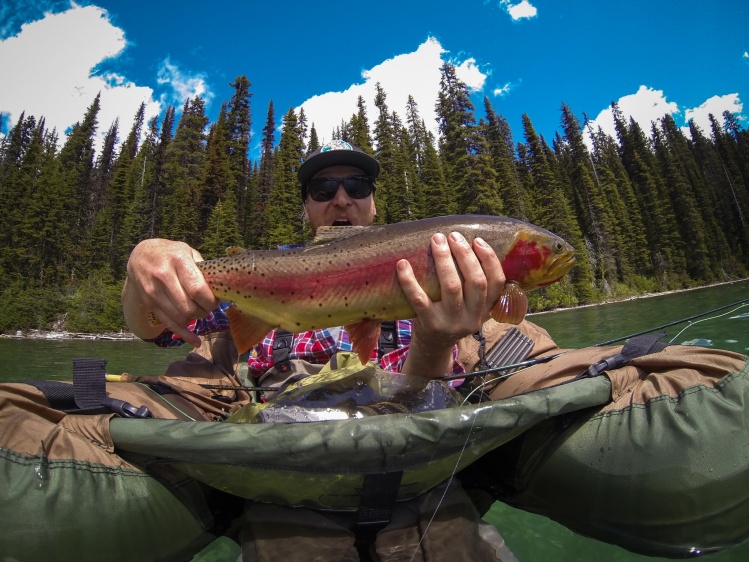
(706, 319)
(447, 487)
(689, 319)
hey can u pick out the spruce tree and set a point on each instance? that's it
(388, 184)
(238, 138)
(222, 230)
(554, 211)
(500, 145)
(257, 230)
(183, 171)
(77, 160)
(284, 212)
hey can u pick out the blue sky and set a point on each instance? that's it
(685, 58)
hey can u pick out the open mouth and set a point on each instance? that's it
(342, 222)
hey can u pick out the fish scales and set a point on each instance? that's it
(347, 276)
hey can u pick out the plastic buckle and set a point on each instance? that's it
(596, 369)
(126, 409)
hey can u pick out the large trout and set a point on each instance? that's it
(347, 276)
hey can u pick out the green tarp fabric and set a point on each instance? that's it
(322, 464)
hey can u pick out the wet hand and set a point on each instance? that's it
(471, 281)
(163, 281)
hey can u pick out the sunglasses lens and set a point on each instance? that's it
(324, 189)
(357, 187)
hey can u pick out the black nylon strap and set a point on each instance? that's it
(88, 393)
(282, 350)
(388, 338)
(635, 347)
(89, 382)
(378, 497)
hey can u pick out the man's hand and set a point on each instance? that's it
(163, 281)
(471, 281)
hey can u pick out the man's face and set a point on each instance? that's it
(342, 209)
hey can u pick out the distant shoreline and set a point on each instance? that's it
(127, 336)
(642, 296)
(53, 335)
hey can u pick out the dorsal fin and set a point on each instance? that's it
(326, 234)
(234, 250)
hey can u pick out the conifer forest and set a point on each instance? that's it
(647, 211)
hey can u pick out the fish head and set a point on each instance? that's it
(537, 258)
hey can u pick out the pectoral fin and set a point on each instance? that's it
(364, 336)
(246, 330)
(512, 305)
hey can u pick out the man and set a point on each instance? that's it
(337, 187)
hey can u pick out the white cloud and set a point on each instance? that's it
(184, 86)
(59, 54)
(645, 106)
(416, 74)
(715, 105)
(504, 90)
(649, 105)
(520, 10)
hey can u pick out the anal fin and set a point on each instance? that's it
(246, 330)
(512, 305)
(364, 336)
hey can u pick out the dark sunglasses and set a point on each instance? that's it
(324, 189)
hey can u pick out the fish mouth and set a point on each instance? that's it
(559, 269)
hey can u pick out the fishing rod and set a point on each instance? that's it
(491, 370)
(531, 362)
(689, 319)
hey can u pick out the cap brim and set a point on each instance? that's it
(359, 160)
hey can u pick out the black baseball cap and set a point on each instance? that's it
(336, 153)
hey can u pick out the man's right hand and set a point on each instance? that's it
(163, 281)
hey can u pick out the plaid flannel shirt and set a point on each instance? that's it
(315, 346)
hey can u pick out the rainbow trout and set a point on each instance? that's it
(347, 276)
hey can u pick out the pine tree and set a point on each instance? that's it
(217, 173)
(668, 144)
(257, 230)
(388, 184)
(455, 116)
(554, 209)
(283, 214)
(183, 171)
(360, 128)
(222, 230)
(238, 139)
(500, 145)
(592, 206)
(667, 256)
(77, 160)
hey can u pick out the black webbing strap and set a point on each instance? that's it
(378, 497)
(635, 347)
(388, 338)
(479, 337)
(88, 393)
(89, 382)
(282, 350)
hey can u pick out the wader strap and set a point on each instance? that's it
(378, 496)
(282, 350)
(479, 337)
(88, 393)
(89, 382)
(636, 347)
(388, 338)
